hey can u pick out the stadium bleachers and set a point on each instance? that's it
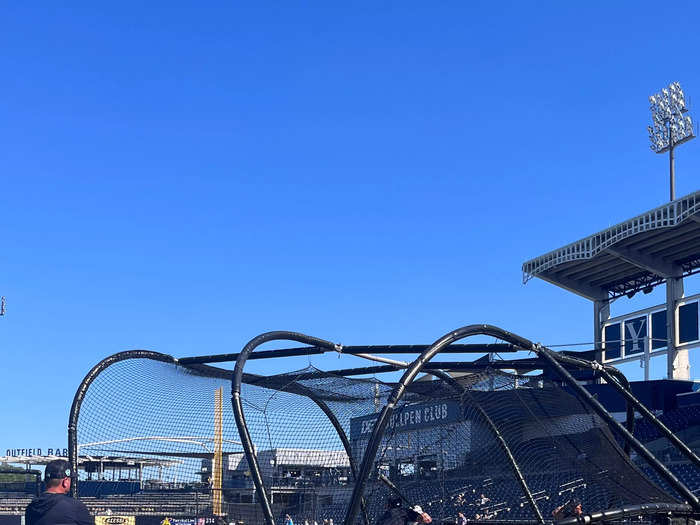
(676, 420)
(484, 498)
(478, 497)
(96, 489)
(182, 504)
(478, 493)
(484, 495)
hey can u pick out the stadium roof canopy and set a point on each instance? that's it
(634, 255)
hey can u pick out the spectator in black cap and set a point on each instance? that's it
(54, 506)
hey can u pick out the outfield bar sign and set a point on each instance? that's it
(408, 417)
(642, 333)
(37, 452)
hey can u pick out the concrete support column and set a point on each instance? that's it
(678, 363)
(601, 313)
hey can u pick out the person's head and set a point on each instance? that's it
(57, 476)
(570, 509)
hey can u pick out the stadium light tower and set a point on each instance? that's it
(671, 125)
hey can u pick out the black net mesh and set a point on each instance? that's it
(441, 448)
(147, 441)
(684, 422)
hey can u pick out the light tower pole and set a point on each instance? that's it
(672, 126)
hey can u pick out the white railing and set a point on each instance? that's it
(664, 216)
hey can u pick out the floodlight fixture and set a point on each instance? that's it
(671, 125)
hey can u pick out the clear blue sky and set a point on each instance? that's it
(181, 177)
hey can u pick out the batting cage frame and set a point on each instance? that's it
(561, 368)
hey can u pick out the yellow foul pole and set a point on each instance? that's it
(218, 448)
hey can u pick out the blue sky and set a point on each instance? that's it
(181, 177)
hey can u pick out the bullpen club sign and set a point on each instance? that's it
(408, 417)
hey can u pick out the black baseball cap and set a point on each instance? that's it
(57, 469)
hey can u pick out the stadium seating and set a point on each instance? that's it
(676, 420)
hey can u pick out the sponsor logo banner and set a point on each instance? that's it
(188, 521)
(115, 520)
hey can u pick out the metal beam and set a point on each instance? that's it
(622, 269)
(352, 350)
(601, 263)
(682, 238)
(579, 288)
(651, 238)
(683, 253)
(521, 365)
(646, 240)
(646, 262)
(607, 282)
(671, 252)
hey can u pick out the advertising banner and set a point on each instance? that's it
(115, 520)
(643, 333)
(178, 520)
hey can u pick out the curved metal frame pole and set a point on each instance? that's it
(407, 378)
(246, 440)
(499, 437)
(339, 430)
(552, 358)
(621, 378)
(80, 395)
(492, 426)
(629, 418)
(613, 515)
(624, 382)
(665, 431)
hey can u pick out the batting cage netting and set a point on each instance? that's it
(441, 448)
(153, 437)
